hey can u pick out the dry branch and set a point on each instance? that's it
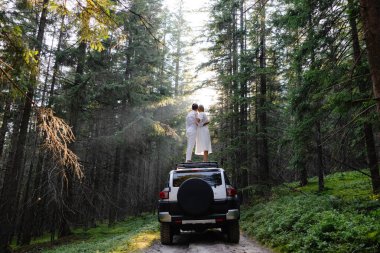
(57, 135)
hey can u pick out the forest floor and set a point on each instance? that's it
(345, 217)
(131, 235)
(141, 234)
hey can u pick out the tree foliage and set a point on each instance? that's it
(290, 79)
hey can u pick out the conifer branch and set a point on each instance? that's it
(16, 85)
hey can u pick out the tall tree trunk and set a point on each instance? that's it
(44, 89)
(262, 116)
(76, 104)
(163, 55)
(25, 221)
(178, 50)
(230, 99)
(29, 218)
(4, 125)
(12, 174)
(243, 157)
(25, 206)
(77, 98)
(300, 139)
(57, 62)
(112, 215)
(235, 95)
(363, 88)
(317, 105)
(321, 182)
(370, 10)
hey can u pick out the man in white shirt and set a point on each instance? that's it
(191, 131)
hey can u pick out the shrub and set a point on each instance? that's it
(316, 223)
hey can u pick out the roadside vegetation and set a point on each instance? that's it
(131, 235)
(344, 218)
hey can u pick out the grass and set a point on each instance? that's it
(344, 218)
(132, 235)
(347, 185)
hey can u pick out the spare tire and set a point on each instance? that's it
(195, 197)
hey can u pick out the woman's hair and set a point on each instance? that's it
(201, 108)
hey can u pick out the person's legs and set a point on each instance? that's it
(205, 156)
(190, 145)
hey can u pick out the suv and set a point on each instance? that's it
(198, 196)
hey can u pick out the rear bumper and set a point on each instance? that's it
(164, 217)
(217, 207)
(232, 214)
(220, 213)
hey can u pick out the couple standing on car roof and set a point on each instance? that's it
(197, 133)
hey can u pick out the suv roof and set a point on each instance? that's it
(199, 165)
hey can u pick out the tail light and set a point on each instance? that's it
(164, 194)
(231, 192)
(218, 220)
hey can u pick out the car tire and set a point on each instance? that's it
(166, 234)
(233, 232)
(176, 230)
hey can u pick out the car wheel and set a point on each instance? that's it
(176, 230)
(166, 234)
(233, 232)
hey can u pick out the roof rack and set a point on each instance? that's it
(197, 165)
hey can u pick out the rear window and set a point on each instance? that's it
(213, 178)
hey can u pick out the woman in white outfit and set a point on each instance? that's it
(203, 140)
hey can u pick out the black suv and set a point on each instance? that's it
(198, 196)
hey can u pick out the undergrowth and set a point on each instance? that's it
(133, 234)
(344, 218)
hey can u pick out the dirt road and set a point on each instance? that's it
(208, 242)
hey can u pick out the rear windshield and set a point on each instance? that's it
(213, 178)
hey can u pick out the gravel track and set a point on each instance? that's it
(209, 241)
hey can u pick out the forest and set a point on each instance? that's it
(94, 95)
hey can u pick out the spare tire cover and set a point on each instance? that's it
(195, 196)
